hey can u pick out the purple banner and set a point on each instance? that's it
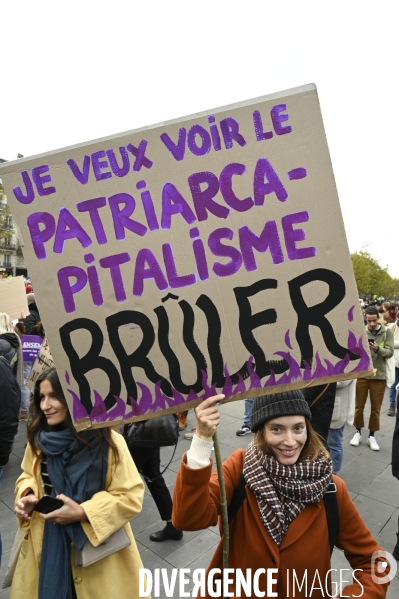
(31, 345)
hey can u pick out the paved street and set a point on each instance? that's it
(366, 473)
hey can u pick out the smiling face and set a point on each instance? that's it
(54, 411)
(286, 436)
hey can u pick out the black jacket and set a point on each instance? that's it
(322, 410)
(8, 345)
(32, 319)
(9, 410)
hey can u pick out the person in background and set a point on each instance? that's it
(389, 314)
(9, 410)
(33, 317)
(182, 416)
(30, 322)
(344, 410)
(11, 349)
(380, 340)
(281, 522)
(19, 328)
(148, 463)
(392, 390)
(246, 426)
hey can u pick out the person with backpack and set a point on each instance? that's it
(282, 522)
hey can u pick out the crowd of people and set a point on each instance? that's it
(283, 478)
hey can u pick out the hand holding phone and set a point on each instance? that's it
(48, 504)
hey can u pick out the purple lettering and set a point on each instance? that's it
(205, 139)
(80, 175)
(215, 134)
(113, 263)
(68, 290)
(149, 210)
(29, 195)
(92, 206)
(230, 132)
(177, 150)
(278, 118)
(174, 280)
(94, 284)
(121, 216)
(99, 165)
(292, 236)
(69, 228)
(272, 185)
(258, 126)
(227, 190)
(154, 271)
(119, 171)
(203, 199)
(297, 173)
(40, 236)
(174, 203)
(139, 153)
(268, 239)
(218, 249)
(40, 178)
(200, 258)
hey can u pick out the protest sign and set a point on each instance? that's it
(13, 297)
(43, 361)
(192, 257)
(31, 345)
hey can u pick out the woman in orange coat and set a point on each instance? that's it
(282, 522)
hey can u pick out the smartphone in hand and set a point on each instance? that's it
(48, 504)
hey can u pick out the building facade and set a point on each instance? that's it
(11, 256)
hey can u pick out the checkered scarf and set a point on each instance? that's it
(281, 491)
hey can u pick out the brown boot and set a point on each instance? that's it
(182, 420)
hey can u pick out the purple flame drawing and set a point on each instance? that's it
(149, 403)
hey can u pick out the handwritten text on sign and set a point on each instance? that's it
(193, 257)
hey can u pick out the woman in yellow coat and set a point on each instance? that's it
(93, 473)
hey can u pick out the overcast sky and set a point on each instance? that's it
(79, 70)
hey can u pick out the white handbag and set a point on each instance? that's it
(90, 554)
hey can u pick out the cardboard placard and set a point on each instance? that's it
(13, 297)
(43, 361)
(193, 257)
(31, 345)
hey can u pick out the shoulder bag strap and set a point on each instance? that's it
(239, 495)
(319, 395)
(331, 503)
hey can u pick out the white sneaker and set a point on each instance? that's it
(372, 443)
(356, 439)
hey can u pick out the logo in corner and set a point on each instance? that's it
(380, 560)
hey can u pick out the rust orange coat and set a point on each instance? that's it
(305, 547)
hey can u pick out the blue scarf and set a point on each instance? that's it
(78, 471)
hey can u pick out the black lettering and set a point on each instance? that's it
(188, 338)
(139, 356)
(248, 322)
(316, 315)
(205, 304)
(92, 360)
